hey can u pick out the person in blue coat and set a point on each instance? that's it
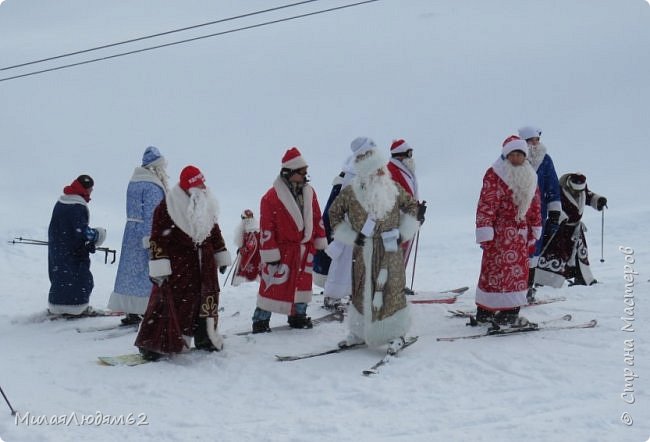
(70, 242)
(549, 188)
(145, 191)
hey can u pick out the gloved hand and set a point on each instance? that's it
(422, 209)
(101, 236)
(602, 202)
(222, 269)
(90, 246)
(158, 280)
(485, 245)
(360, 240)
(532, 247)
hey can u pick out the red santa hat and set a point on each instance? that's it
(512, 143)
(528, 132)
(293, 159)
(191, 177)
(399, 146)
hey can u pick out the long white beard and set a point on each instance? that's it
(536, 155)
(409, 163)
(202, 213)
(376, 193)
(522, 180)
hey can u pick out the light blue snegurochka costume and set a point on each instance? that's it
(144, 192)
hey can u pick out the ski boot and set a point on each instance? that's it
(300, 321)
(131, 319)
(261, 326)
(395, 345)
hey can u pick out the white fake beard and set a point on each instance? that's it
(202, 211)
(522, 180)
(536, 154)
(250, 225)
(376, 193)
(409, 163)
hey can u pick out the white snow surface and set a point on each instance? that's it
(454, 78)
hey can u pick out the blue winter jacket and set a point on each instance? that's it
(70, 241)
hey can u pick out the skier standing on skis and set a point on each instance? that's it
(374, 215)
(566, 256)
(291, 231)
(70, 242)
(146, 189)
(247, 240)
(507, 225)
(549, 190)
(186, 250)
(402, 170)
(338, 256)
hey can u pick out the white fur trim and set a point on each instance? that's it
(270, 255)
(554, 205)
(594, 202)
(500, 301)
(320, 243)
(378, 300)
(60, 309)
(72, 199)
(484, 234)
(160, 267)
(223, 258)
(271, 305)
(335, 249)
(344, 233)
(537, 232)
(288, 201)
(145, 242)
(402, 148)
(213, 334)
(408, 226)
(319, 279)
(303, 296)
(295, 163)
(141, 174)
(513, 145)
(549, 279)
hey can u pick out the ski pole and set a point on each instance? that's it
(13, 412)
(233, 266)
(415, 257)
(602, 235)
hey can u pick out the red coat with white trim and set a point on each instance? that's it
(503, 282)
(289, 235)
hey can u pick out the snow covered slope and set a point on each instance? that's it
(453, 78)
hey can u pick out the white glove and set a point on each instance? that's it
(145, 241)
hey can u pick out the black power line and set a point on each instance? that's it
(236, 17)
(243, 28)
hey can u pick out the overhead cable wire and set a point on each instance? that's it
(151, 48)
(133, 40)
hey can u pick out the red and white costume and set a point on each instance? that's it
(289, 235)
(247, 240)
(405, 177)
(506, 237)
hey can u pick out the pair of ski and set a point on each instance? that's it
(529, 327)
(341, 348)
(467, 313)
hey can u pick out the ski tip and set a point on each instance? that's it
(369, 372)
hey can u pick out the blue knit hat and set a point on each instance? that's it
(151, 154)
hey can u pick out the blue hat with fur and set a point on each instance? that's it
(151, 155)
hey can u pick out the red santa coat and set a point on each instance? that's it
(406, 179)
(190, 291)
(503, 282)
(289, 235)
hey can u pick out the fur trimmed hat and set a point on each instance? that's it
(528, 132)
(577, 181)
(293, 159)
(362, 144)
(399, 146)
(191, 177)
(152, 157)
(512, 143)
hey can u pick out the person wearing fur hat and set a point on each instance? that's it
(549, 190)
(146, 189)
(291, 232)
(247, 240)
(402, 169)
(508, 224)
(334, 273)
(70, 242)
(187, 249)
(374, 215)
(566, 255)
